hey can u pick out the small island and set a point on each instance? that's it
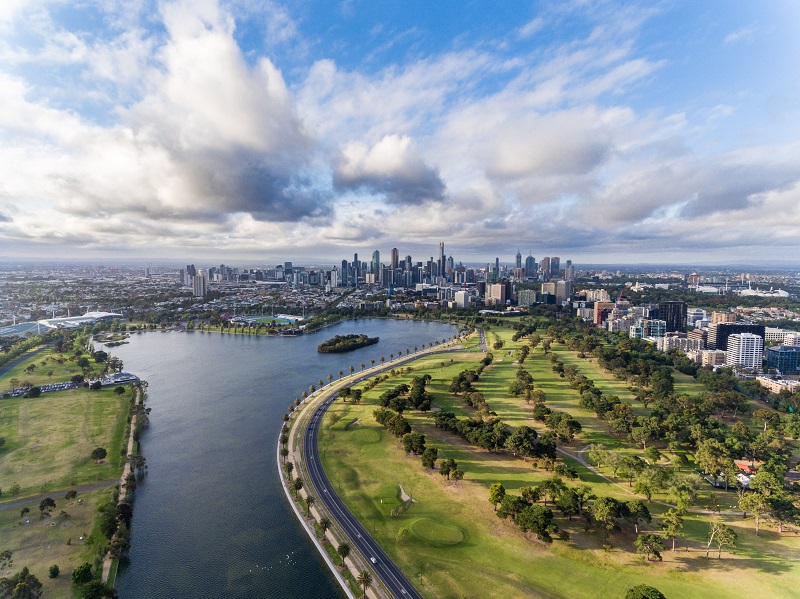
(344, 343)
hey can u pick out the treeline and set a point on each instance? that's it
(344, 343)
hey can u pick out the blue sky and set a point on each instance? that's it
(601, 131)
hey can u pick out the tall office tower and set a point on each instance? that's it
(343, 274)
(544, 266)
(408, 264)
(497, 266)
(356, 270)
(448, 269)
(555, 267)
(395, 259)
(200, 284)
(190, 270)
(518, 262)
(674, 313)
(569, 271)
(530, 266)
(745, 349)
(375, 265)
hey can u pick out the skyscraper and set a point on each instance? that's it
(375, 266)
(441, 263)
(518, 263)
(530, 266)
(555, 267)
(674, 313)
(395, 259)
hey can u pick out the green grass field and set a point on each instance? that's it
(49, 441)
(451, 543)
(40, 543)
(50, 367)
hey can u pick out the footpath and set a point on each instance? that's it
(128, 469)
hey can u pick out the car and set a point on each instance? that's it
(373, 560)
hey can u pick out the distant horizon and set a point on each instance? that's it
(761, 265)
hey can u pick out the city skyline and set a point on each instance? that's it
(607, 132)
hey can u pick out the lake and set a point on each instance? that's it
(210, 518)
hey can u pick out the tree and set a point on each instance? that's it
(6, 560)
(54, 571)
(537, 519)
(429, 457)
(82, 574)
(324, 524)
(637, 511)
(496, 493)
(98, 454)
(672, 524)
(119, 389)
(755, 503)
(414, 443)
(365, 580)
(643, 591)
(309, 502)
(343, 550)
(721, 535)
(569, 503)
(447, 467)
(46, 504)
(649, 544)
(297, 485)
(605, 511)
(97, 589)
(23, 585)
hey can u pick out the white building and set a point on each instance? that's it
(791, 338)
(745, 349)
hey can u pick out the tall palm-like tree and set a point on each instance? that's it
(309, 502)
(352, 370)
(298, 484)
(341, 374)
(324, 524)
(330, 379)
(365, 580)
(372, 362)
(363, 365)
(343, 550)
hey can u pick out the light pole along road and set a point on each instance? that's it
(392, 577)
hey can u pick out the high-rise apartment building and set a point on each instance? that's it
(518, 261)
(746, 350)
(718, 334)
(395, 259)
(674, 314)
(200, 284)
(544, 266)
(569, 271)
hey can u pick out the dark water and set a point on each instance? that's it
(210, 518)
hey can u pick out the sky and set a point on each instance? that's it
(601, 131)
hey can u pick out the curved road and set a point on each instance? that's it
(360, 539)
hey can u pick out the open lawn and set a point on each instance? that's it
(46, 367)
(450, 542)
(40, 543)
(49, 440)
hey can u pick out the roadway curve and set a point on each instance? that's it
(391, 576)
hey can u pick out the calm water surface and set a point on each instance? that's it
(210, 519)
